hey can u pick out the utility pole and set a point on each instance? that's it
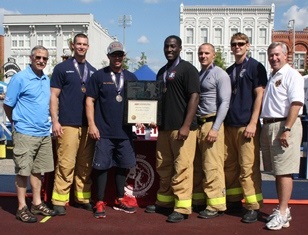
(291, 25)
(125, 21)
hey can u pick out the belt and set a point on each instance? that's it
(202, 120)
(272, 120)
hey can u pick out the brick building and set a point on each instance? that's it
(301, 46)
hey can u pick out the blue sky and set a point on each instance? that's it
(152, 20)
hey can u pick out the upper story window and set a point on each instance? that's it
(262, 37)
(248, 32)
(189, 35)
(47, 40)
(218, 36)
(233, 31)
(203, 35)
(21, 40)
(190, 57)
(262, 58)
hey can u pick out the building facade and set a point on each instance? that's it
(1, 52)
(53, 31)
(299, 57)
(216, 25)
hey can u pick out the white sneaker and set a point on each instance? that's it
(276, 211)
(278, 222)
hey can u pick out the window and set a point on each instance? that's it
(190, 57)
(66, 38)
(189, 36)
(203, 35)
(262, 58)
(233, 31)
(262, 37)
(20, 40)
(248, 32)
(47, 40)
(299, 61)
(218, 36)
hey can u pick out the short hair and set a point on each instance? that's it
(239, 35)
(207, 44)
(38, 47)
(79, 35)
(276, 44)
(177, 38)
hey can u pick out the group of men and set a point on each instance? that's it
(208, 146)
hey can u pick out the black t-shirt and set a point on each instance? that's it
(181, 82)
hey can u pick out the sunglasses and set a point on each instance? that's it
(240, 44)
(117, 55)
(41, 57)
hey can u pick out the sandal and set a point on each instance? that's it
(42, 209)
(25, 215)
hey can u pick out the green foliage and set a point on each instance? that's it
(2, 77)
(125, 63)
(219, 59)
(143, 60)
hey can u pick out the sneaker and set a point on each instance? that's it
(278, 222)
(122, 205)
(85, 206)
(250, 216)
(42, 209)
(158, 209)
(25, 215)
(207, 214)
(276, 211)
(60, 210)
(100, 210)
(234, 207)
(176, 217)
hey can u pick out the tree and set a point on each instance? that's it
(143, 60)
(219, 60)
(125, 63)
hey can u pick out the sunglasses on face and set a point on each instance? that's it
(240, 44)
(117, 55)
(40, 57)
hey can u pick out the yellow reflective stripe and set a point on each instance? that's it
(60, 197)
(198, 196)
(216, 201)
(234, 191)
(164, 198)
(254, 198)
(183, 203)
(83, 195)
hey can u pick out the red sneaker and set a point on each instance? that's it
(122, 205)
(100, 210)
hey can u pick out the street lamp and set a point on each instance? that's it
(291, 25)
(125, 21)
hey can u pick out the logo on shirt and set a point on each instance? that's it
(70, 71)
(171, 75)
(277, 83)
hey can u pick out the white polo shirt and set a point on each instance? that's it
(285, 87)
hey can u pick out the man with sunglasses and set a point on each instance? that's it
(242, 131)
(26, 105)
(69, 125)
(105, 113)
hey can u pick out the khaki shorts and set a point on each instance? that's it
(280, 160)
(32, 154)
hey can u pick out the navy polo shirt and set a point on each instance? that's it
(253, 75)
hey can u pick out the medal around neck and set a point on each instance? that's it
(119, 98)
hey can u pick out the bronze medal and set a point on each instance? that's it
(83, 88)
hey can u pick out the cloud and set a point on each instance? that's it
(269, 2)
(151, 1)
(87, 1)
(143, 40)
(298, 14)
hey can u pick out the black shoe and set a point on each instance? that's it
(198, 208)
(207, 214)
(250, 216)
(85, 206)
(60, 210)
(176, 217)
(158, 209)
(234, 207)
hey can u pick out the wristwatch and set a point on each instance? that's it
(285, 128)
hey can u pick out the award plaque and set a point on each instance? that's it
(143, 102)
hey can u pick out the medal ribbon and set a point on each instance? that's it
(167, 71)
(121, 82)
(235, 75)
(83, 78)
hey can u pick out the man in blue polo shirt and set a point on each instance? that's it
(242, 131)
(26, 105)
